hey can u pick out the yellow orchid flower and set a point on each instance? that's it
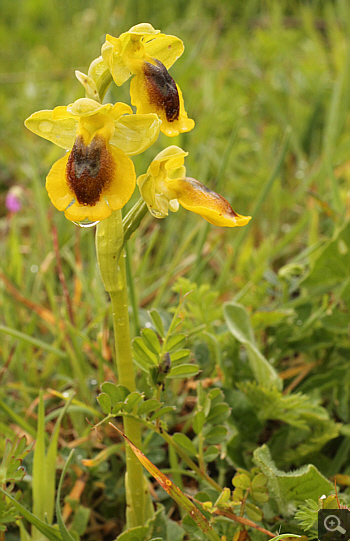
(165, 186)
(148, 54)
(96, 176)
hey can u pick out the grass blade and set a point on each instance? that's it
(66, 536)
(49, 532)
(179, 497)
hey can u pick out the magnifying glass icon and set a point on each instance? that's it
(332, 524)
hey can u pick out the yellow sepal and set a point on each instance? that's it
(194, 196)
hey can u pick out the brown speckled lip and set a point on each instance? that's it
(162, 90)
(89, 170)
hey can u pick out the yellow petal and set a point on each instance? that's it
(172, 156)
(79, 213)
(96, 179)
(89, 85)
(147, 189)
(182, 125)
(111, 54)
(56, 185)
(87, 107)
(120, 109)
(194, 196)
(60, 112)
(153, 90)
(135, 133)
(60, 131)
(142, 29)
(167, 49)
(171, 152)
(123, 183)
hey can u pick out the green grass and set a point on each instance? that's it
(268, 85)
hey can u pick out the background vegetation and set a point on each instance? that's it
(268, 84)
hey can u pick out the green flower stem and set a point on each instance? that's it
(110, 257)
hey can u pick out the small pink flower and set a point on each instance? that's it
(13, 199)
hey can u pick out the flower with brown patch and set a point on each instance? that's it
(96, 176)
(148, 54)
(165, 186)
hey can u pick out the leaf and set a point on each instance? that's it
(11, 469)
(307, 515)
(18, 419)
(241, 480)
(34, 341)
(181, 499)
(218, 413)
(105, 403)
(268, 318)
(39, 485)
(210, 453)
(8, 513)
(49, 531)
(157, 321)
(66, 536)
(117, 393)
(151, 340)
(131, 400)
(291, 488)
(50, 465)
(138, 533)
(183, 371)
(332, 267)
(149, 405)
(215, 434)
(237, 320)
(285, 536)
(198, 421)
(296, 409)
(162, 411)
(175, 342)
(180, 355)
(253, 512)
(185, 443)
(142, 352)
(259, 480)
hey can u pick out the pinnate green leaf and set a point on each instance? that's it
(151, 340)
(149, 405)
(215, 434)
(157, 322)
(185, 443)
(183, 371)
(198, 421)
(105, 403)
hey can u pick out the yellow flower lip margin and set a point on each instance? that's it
(165, 186)
(147, 54)
(99, 138)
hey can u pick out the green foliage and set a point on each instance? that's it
(247, 374)
(157, 529)
(288, 489)
(11, 472)
(161, 356)
(307, 514)
(295, 409)
(11, 469)
(238, 323)
(8, 513)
